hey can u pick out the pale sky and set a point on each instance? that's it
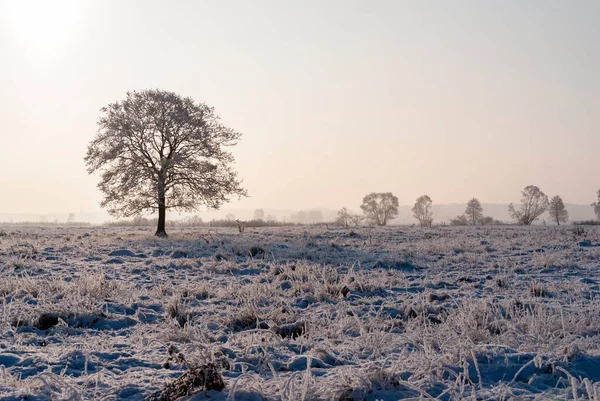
(335, 99)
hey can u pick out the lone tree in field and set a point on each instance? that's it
(380, 207)
(422, 210)
(596, 206)
(474, 212)
(557, 210)
(533, 204)
(157, 150)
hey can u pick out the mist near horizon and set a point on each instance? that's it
(334, 101)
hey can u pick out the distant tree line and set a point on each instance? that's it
(379, 208)
(473, 216)
(54, 223)
(534, 203)
(196, 221)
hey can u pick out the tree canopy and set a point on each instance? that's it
(557, 210)
(380, 207)
(422, 210)
(534, 203)
(474, 212)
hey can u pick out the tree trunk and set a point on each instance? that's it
(162, 210)
(161, 230)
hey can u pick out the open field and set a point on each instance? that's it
(302, 313)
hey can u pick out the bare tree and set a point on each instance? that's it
(534, 203)
(474, 212)
(157, 150)
(596, 206)
(557, 210)
(380, 207)
(343, 217)
(241, 226)
(422, 210)
(259, 214)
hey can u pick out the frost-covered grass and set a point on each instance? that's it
(302, 313)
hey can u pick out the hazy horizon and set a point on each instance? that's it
(334, 100)
(442, 213)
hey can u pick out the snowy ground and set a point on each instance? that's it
(302, 313)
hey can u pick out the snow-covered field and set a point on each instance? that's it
(302, 313)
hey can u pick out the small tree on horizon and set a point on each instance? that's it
(259, 214)
(343, 217)
(422, 210)
(534, 203)
(474, 211)
(557, 210)
(460, 220)
(380, 207)
(596, 206)
(156, 150)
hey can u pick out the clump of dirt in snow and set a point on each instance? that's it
(196, 379)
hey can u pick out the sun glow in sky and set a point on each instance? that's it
(335, 99)
(44, 29)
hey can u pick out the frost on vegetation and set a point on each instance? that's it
(300, 313)
(197, 378)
